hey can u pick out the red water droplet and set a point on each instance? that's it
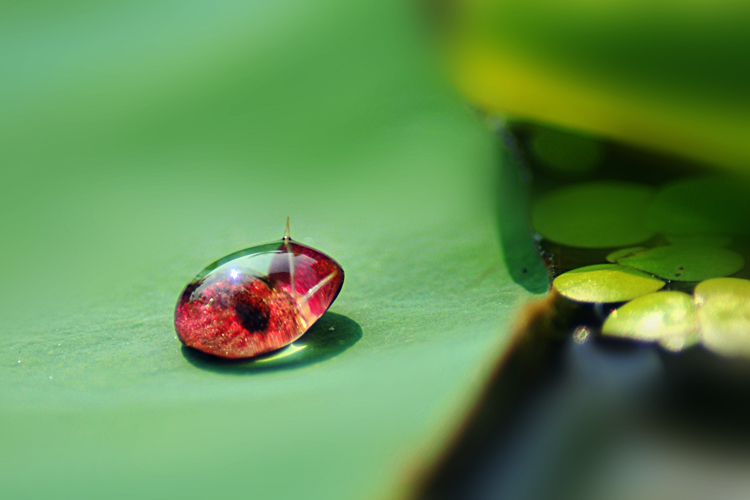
(257, 300)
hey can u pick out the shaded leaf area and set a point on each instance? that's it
(706, 204)
(144, 141)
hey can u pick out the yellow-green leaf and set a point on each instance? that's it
(605, 283)
(668, 318)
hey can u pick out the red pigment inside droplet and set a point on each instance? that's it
(257, 300)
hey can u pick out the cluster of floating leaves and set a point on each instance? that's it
(716, 315)
(674, 237)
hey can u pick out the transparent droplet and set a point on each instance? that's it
(257, 300)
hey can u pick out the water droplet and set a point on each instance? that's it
(257, 300)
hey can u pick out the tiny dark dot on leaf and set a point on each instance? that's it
(681, 268)
(678, 274)
(525, 270)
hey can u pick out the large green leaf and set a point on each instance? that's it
(143, 140)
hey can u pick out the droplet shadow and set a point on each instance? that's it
(331, 335)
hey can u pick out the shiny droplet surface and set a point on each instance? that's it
(257, 300)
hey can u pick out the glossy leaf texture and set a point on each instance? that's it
(145, 140)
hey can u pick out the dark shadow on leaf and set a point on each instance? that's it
(331, 335)
(516, 238)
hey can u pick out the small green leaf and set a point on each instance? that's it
(624, 252)
(724, 315)
(686, 262)
(711, 240)
(595, 215)
(668, 318)
(701, 205)
(605, 283)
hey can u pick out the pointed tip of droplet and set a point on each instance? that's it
(287, 236)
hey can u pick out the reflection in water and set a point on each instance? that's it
(331, 335)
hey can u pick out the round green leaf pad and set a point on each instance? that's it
(701, 205)
(686, 262)
(668, 318)
(594, 215)
(605, 283)
(724, 315)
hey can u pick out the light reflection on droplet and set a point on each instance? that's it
(283, 353)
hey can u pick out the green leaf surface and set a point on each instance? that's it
(145, 140)
(623, 252)
(605, 283)
(594, 215)
(686, 262)
(668, 318)
(724, 314)
(701, 205)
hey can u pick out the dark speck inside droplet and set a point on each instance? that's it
(252, 311)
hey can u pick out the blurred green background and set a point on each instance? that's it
(140, 141)
(665, 75)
